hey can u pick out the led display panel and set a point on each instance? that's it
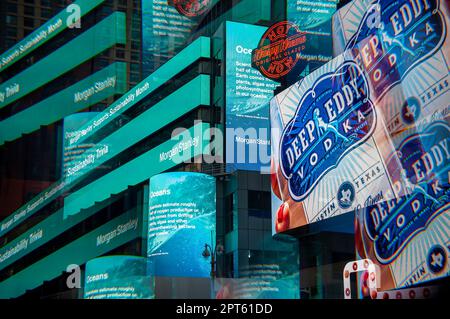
(247, 100)
(403, 50)
(330, 147)
(182, 219)
(117, 277)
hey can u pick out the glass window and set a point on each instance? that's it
(28, 10)
(120, 54)
(134, 77)
(228, 213)
(46, 3)
(28, 22)
(46, 13)
(12, 8)
(27, 31)
(11, 32)
(134, 67)
(258, 201)
(11, 20)
(135, 56)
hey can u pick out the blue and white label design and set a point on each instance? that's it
(426, 157)
(395, 36)
(392, 224)
(334, 117)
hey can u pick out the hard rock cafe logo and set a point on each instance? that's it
(279, 49)
(333, 117)
(394, 36)
(191, 8)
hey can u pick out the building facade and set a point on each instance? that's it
(114, 114)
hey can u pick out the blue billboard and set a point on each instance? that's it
(117, 277)
(315, 19)
(247, 100)
(164, 33)
(182, 219)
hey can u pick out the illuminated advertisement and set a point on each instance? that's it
(411, 91)
(269, 278)
(111, 235)
(46, 32)
(117, 277)
(389, 41)
(314, 18)
(72, 124)
(111, 30)
(247, 100)
(402, 50)
(89, 91)
(182, 219)
(311, 14)
(330, 148)
(114, 143)
(164, 33)
(409, 237)
(291, 49)
(279, 51)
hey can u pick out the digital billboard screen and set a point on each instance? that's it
(247, 100)
(408, 73)
(117, 277)
(315, 19)
(182, 219)
(311, 14)
(330, 149)
(269, 276)
(165, 31)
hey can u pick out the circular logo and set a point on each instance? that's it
(279, 50)
(346, 195)
(411, 110)
(437, 259)
(192, 8)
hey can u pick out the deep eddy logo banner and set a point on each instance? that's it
(395, 36)
(335, 116)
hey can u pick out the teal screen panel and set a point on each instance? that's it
(89, 91)
(50, 29)
(200, 48)
(180, 102)
(248, 94)
(147, 164)
(118, 277)
(161, 158)
(182, 216)
(101, 240)
(100, 37)
(41, 233)
(32, 206)
(71, 125)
